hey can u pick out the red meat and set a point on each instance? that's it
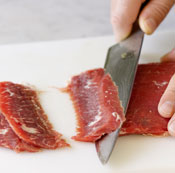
(98, 109)
(142, 114)
(10, 140)
(22, 110)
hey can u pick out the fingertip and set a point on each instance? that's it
(122, 34)
(148, 26)
(153, 14)
(166, 109)
(121, 30)
(171, 126)
(169, 56)
(166, 106)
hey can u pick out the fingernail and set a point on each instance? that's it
(148, 25)
(171, 128)
(166, 109)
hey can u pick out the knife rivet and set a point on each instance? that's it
(123, 55)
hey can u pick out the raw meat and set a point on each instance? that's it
(142, 115)
(10, 140)
(21, 108)
(98, 108)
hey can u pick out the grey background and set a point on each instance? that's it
(41, 20)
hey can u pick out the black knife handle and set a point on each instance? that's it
(136, 26)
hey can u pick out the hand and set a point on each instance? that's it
(125, 12)
(166, 105)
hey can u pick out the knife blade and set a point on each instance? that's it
(121, 63)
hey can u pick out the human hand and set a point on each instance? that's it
(166, 105)
(125, 12)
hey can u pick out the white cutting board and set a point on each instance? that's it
(50, 64)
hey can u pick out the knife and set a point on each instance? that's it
(121, 63)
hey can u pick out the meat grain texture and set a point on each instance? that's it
(142, 115)
(98, 109)
(97, 105)
(24, 126)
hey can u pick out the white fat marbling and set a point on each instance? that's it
(98, 117)
(3, 131)
(29, 129)
(88, 84)
(160, 84)
(116, 115)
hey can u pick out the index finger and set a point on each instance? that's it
(123, 15)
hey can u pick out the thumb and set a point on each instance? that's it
(166, 105)
(153, 14)
(171, 126)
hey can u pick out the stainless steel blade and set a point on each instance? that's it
(121, 63)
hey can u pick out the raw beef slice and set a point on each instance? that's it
(9, 139)
(96, 102)
(95, 99)
(142, 114)
(21, 109)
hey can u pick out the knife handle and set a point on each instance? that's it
(143, 5)
(136, 26)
